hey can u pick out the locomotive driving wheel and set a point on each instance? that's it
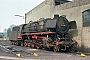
(32, 45)
(28, 44)
(37, 46)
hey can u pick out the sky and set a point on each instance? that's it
(10, 8)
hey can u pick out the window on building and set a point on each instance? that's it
(58, 2)
(86, 18)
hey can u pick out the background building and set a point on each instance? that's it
(78, 10)
(1, 36)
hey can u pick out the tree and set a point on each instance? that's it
(11, 26)
(8, 31)
(5, 32)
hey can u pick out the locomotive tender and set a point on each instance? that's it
(50, 34)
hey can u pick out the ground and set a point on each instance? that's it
(28, 54)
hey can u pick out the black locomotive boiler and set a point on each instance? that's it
(50, 34)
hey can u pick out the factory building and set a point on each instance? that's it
(78, 10)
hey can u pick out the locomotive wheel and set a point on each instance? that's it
(18, 43)
(25, 44)
(14, 43)
(28, 44)
(37, 47)
(32, 45)
(11, 43)
(56, 48)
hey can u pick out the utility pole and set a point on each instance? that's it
(21, 16)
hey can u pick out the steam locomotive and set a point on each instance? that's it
(50, 34)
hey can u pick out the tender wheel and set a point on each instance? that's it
(11, 43)
(18, 43)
